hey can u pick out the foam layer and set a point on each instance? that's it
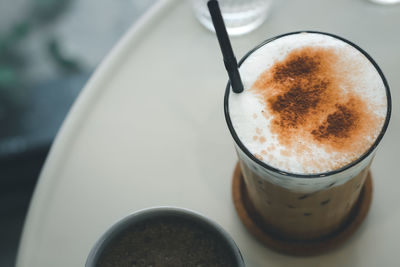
(312, 104)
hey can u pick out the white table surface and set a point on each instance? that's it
(148, 130)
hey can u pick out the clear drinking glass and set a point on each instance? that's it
(304, 207)
(240, 16)
(385, 2)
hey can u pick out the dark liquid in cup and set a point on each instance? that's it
(167, 242)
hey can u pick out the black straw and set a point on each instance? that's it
(229, 58)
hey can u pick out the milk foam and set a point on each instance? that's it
(252, 121)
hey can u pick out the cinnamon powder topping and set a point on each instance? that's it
(338, 124)
(309, 97)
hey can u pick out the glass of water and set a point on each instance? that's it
(240, 16)
(385, 2)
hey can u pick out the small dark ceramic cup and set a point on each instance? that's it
(162, 213)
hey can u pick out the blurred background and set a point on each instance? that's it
(48, 50)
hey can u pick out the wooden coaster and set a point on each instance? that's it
(254, 224)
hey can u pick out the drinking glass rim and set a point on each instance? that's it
(317, 175)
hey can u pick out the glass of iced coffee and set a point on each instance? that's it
(306, 127)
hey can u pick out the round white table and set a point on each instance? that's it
(148, 130)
